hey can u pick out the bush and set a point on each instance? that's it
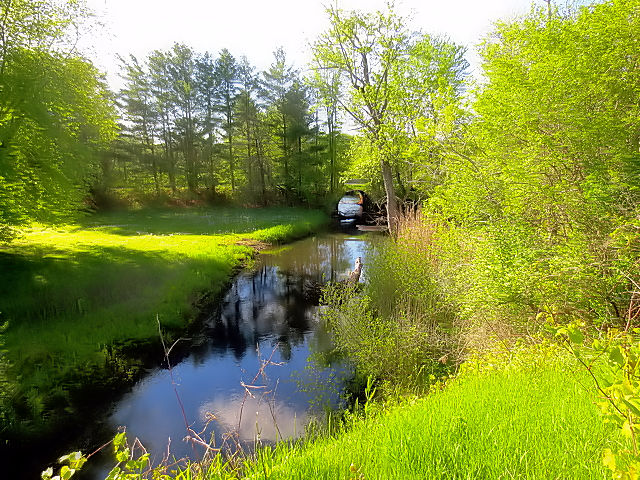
(398, 327)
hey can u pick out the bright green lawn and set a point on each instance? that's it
(68, 294)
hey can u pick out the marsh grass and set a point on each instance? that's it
(72, 297)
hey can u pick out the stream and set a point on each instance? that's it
(250, 371)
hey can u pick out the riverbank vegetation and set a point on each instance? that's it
(516, 415)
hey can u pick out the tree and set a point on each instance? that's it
(226, 78)
(296, 110)
(387, 73)
(181, 67)
(207, 95)
(327, 86)
(276, 83)
(56, 114)
(247, 117)
(549, 177)
(164, 104)
(139, 105)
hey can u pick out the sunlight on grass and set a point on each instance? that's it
(534, 421)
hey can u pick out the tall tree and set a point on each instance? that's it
(296, 110)
(277, 81)
(327, 86)
(226, 78)
(207, 99)
(55, 113)
(160, 81)
(247, 119)
(383, 69)
(139, 109)
(181, 67)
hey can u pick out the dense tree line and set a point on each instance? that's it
(186, 125)
(213, 126)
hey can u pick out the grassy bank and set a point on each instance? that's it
(71, 296)
(525, 418)
(528, 413)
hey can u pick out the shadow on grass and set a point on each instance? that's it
(63, 315)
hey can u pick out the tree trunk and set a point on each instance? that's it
(392, 202)
(154, 164)
(332, 150)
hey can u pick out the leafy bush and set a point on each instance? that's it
(398, 327)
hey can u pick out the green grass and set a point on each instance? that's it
(531, 419)
(69, 294)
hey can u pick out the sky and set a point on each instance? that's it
(255, 28)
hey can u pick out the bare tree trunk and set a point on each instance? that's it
(154, 164)
(392, 202)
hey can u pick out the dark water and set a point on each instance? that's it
(270, 312)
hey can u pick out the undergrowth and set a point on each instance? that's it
(399, 327)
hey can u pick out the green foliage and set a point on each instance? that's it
(214, 126)
(613, 361)
(540, 190)
(402, 88)
(75, 462)
(397, 327)
(55, 114)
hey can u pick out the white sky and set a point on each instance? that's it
(255, 28)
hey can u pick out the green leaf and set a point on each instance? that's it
(122, 455)
(575, 335)
(633, 407)
(616, 356)
(627, 430)
(66, 473)
(609, 459)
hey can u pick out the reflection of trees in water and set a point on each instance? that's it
(278, 301)
(265, 305)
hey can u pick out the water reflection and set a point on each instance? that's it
(272, 307)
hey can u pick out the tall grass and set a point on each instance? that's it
(527, 417)
(398, 327)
